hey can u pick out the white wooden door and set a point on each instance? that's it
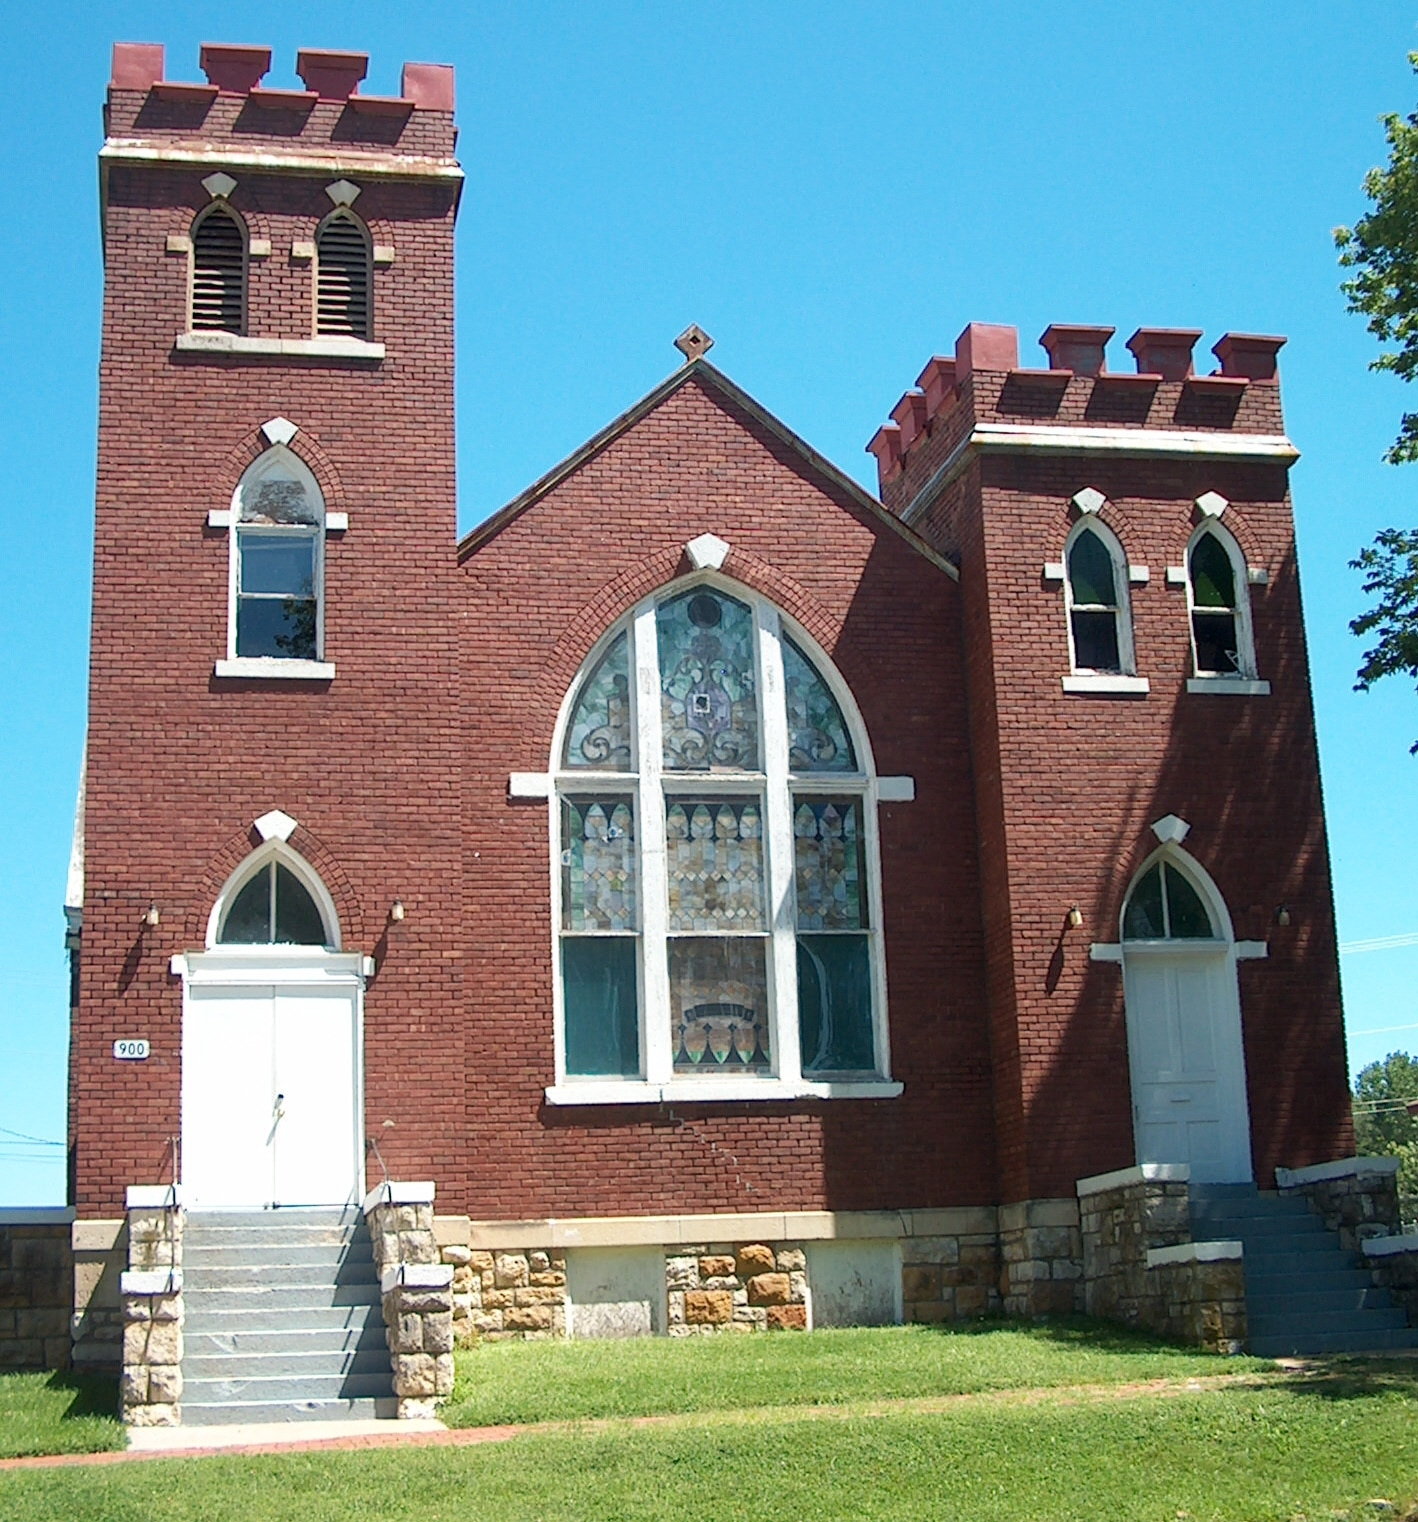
(270, 1096)
(1187, 1062)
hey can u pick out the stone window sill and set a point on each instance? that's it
(1229, 686)
(266, 668)
(1107, 684)
(301, 348)
(709, 1090)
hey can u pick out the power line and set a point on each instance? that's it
(1379, 943)
(39, 1141)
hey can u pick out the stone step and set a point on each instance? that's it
(224, 1413)
(316, 1387)
(258, 1297)
(1303, 1300)
(199, 1256)
(254, 1340)
(1295, 1344)
(313, 1215)
(1294, 1244)
(1283, 1282)
(1277, 1323)
(252, 1319)
(257, 1237)
(284, 1363)
(1261, 1228)
(204, 1277)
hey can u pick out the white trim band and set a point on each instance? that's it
(404, 166)
(398, 1194)
(1139, 1173)
(333, 347)
(1196, 1252)
(153, 1197)
(266, 668)
(1341, 1167)
(150, 1281)
(711, 1091)
(1388, 1247)
(1107, 684)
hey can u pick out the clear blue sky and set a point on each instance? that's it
(831, 189)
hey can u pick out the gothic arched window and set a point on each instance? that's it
(274, 899)
(218, 298)
(716, 882)
(1096, 597)
(1222, 641)
(343, 304)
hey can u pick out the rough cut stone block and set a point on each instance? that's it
(164, 1384)
(152, 1416)
(787, 1318)
(438, 1333)
(133, 1386)
(708, 1306)
(548, 1278)
(481, 1262)
(682, 1273)
(152, 1342)
(920, 1283)
(405, 1333)
(510, 1270)
(717, 1267)
(456, 1254)
(443, 1373)
(538, 1296)
(769, 1289)
(413, 1374)
(972, 1300)
(754, 1259)
(411, 1410)
(791, 1260)
(528, 1318)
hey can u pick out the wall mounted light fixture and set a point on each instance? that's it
(396, 910)
(1075, 917)
(1282, 915)
(152, 918)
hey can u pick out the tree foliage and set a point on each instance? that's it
(1382, 250)
(1382, 1125)
(1390, 567)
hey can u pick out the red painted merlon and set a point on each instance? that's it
(909, 414)
(331, 75)
(1075, 347)
(886, 446)
(1164, 351)
(233, 69)
(1249, 355)
(986, 346)
(428, 85)
(937, 380)
(136, 65)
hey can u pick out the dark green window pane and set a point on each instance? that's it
(248, 921)
(298, 918)
(1091, 573)
(1143, 918)
(1216, 643)
(1213, 575)
(602, 1009)
(282, 564)
(1187, 918)
(834, 1004)
(1095, 642)
(278, 626)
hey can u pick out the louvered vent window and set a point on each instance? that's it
(219, 273)
(342, 304)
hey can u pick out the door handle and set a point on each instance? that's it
(279, 1108)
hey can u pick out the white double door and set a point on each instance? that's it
(1187, 1062)
(270, 1095)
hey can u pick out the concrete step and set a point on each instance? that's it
(223, 1413)
(250, 1339)
(1278, 1281)
(1295, 1344)
(281, 1320)
(1261, 1229)
(285, 1363)
(309, 1387)
(309, 1215)
(1297, 1244)
(266, 1235)
(202, 1255)
(258, 1297)
(1277, 1323)
(204, 1278)
(1305, 1300)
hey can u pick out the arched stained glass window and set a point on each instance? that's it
(1164, 906)
(272, 908)
(1095, 592)
(1221, 636)
(716, 876)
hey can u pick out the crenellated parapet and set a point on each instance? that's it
(984, 386)
(234, 108)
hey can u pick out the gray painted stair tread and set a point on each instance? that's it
(283, 1318)
(308, 1387)
(244, 1338)
(284, 1365)
(288, 1411)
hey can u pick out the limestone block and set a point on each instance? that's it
(682, 1273)
(535, 1295)
(405, 1333)
(750, 1316)
(538, 1262)
(443, 1374)
(456, 1254)
(797, 1288)
(43, 1322)
(426, 1301)
(716, 1267)
(164, 1384)
(528, 1318)
(414, 1374)
(719, 1281)
(152, 1342)
(497, 1299)
(674, 1307)
(386, 1249)
(481, 1262)
(487, 1323)
(928, 1312)
(787, 1318)
(769, 1289)
(510, 1270)
(548, 1278)
(754, 1259)
(920, 1283)
(791, 1260)
(707, 1306)
(414, 1410)
(153, 1416)
(1067, 1268)
(133, 1386)
(464, 1280)
(972, 1300)
(978, 1265)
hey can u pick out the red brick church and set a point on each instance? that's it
(707, 895)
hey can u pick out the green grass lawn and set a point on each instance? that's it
(557, 1381)
(58, 1413)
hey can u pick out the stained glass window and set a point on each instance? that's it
(817, 733)
(598, 736)
(714, 864)
(720, 924)
(1164, 906)
(708, 685)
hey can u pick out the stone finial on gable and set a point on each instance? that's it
(694, 342)
(707, 553)
(1171, 830)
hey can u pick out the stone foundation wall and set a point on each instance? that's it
(1355, 1196)
(417, 1291)
(150, 1390)
(740, 1287)
(1141, 1268)
(1393, 1263)
(1041, 1257)
(36, 1289)
(952, 1278)
(100, 1252)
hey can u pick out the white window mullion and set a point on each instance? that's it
(778, 836)
(654, 982)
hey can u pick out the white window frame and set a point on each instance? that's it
(1087, 679)
(775, 785)
(258, 861)
(278, 460)
(1244, 680)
